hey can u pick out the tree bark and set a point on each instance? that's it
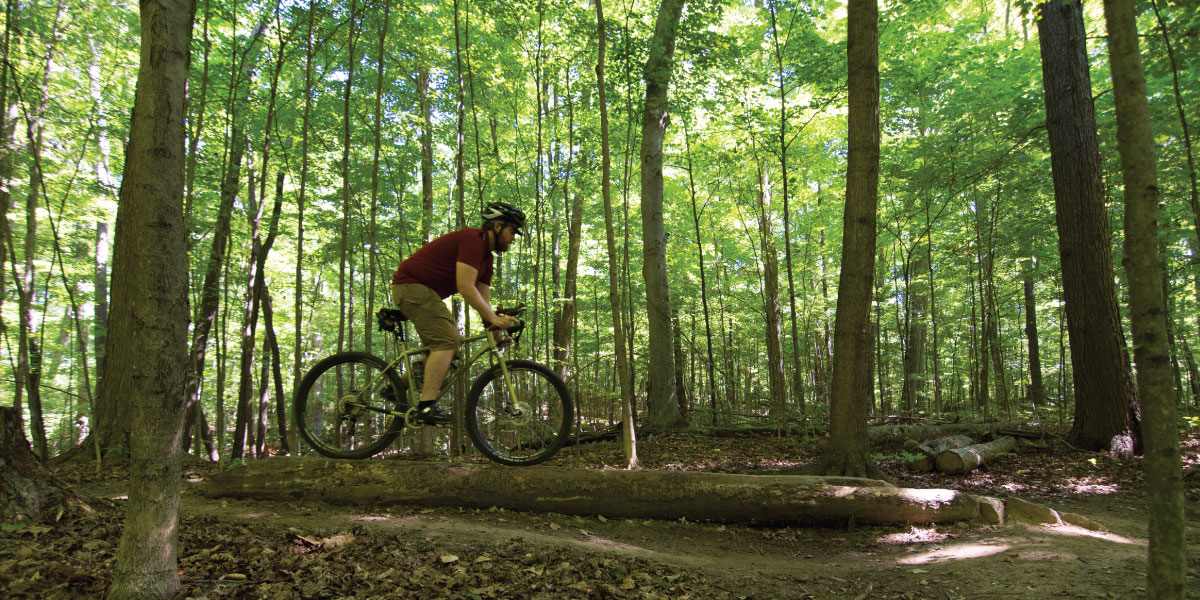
(846, 453)
(663, 410)
(147, 345)
(28, 490)
(1167, 572)
(613, 493)
(1105, 397)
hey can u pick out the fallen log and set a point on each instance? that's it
(929, 451)
(962, 460)
(898, 433)
(640, 494)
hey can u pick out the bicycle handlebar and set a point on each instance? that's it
(512, 312)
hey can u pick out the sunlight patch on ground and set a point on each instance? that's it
(614, 546)
(954, 552)
(1076, 531)
(929, 497)
(915, 535)
(1089, 485)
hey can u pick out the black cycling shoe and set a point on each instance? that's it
(432, 415)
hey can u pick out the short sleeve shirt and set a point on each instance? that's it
(435, 264)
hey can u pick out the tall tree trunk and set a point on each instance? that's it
(915, 315)
(8, 147)
(255, 290)
(196, 123)
(310, 49)
(243, 433)
(1036, 388)
(663, 411)
(284, 446)
(776, 382)
(564, 321)
(1105, 399)
(210, 299)
(1167, 573)
(846, 453)
(426, 155)
(148, 334)
(797, 373)
(29, 352)
(351, 61)
(614, 274)
(1187, 145)
(372, 255)
(710, 365)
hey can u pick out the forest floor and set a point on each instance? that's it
(281, 550)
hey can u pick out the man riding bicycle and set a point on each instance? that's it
(460, 261)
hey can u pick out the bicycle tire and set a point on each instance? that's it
(318, 397)
(535, 430)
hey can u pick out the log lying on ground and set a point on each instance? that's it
(962, 460)
(612, 493)
(929, 451)
(898, 433)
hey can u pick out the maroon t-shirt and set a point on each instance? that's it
(435, 264)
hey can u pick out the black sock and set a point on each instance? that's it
(422, 405)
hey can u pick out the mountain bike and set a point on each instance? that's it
(355, 404)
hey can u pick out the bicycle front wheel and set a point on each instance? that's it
(520, 424)
(341, 403)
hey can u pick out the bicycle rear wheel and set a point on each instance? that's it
(522, 426)
(341, 402)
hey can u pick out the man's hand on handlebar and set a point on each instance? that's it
(505, 322)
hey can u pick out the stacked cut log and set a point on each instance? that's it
(963, 460)
(929, 451)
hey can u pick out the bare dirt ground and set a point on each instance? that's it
(246, 549)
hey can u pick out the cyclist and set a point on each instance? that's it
(460, 261)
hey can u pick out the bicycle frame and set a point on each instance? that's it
(494, 348)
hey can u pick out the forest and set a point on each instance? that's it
(697, 280)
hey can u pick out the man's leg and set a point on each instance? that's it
(436, 367)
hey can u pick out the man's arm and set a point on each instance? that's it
(478, 295)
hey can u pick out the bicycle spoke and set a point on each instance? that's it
(524, 424)
(342, 404)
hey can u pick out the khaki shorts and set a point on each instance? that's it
(428, 314)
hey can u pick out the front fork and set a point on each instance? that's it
(508, 385)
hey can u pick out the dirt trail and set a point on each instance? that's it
(961, 561)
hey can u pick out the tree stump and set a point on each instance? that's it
(963, 460)
(29, 491)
